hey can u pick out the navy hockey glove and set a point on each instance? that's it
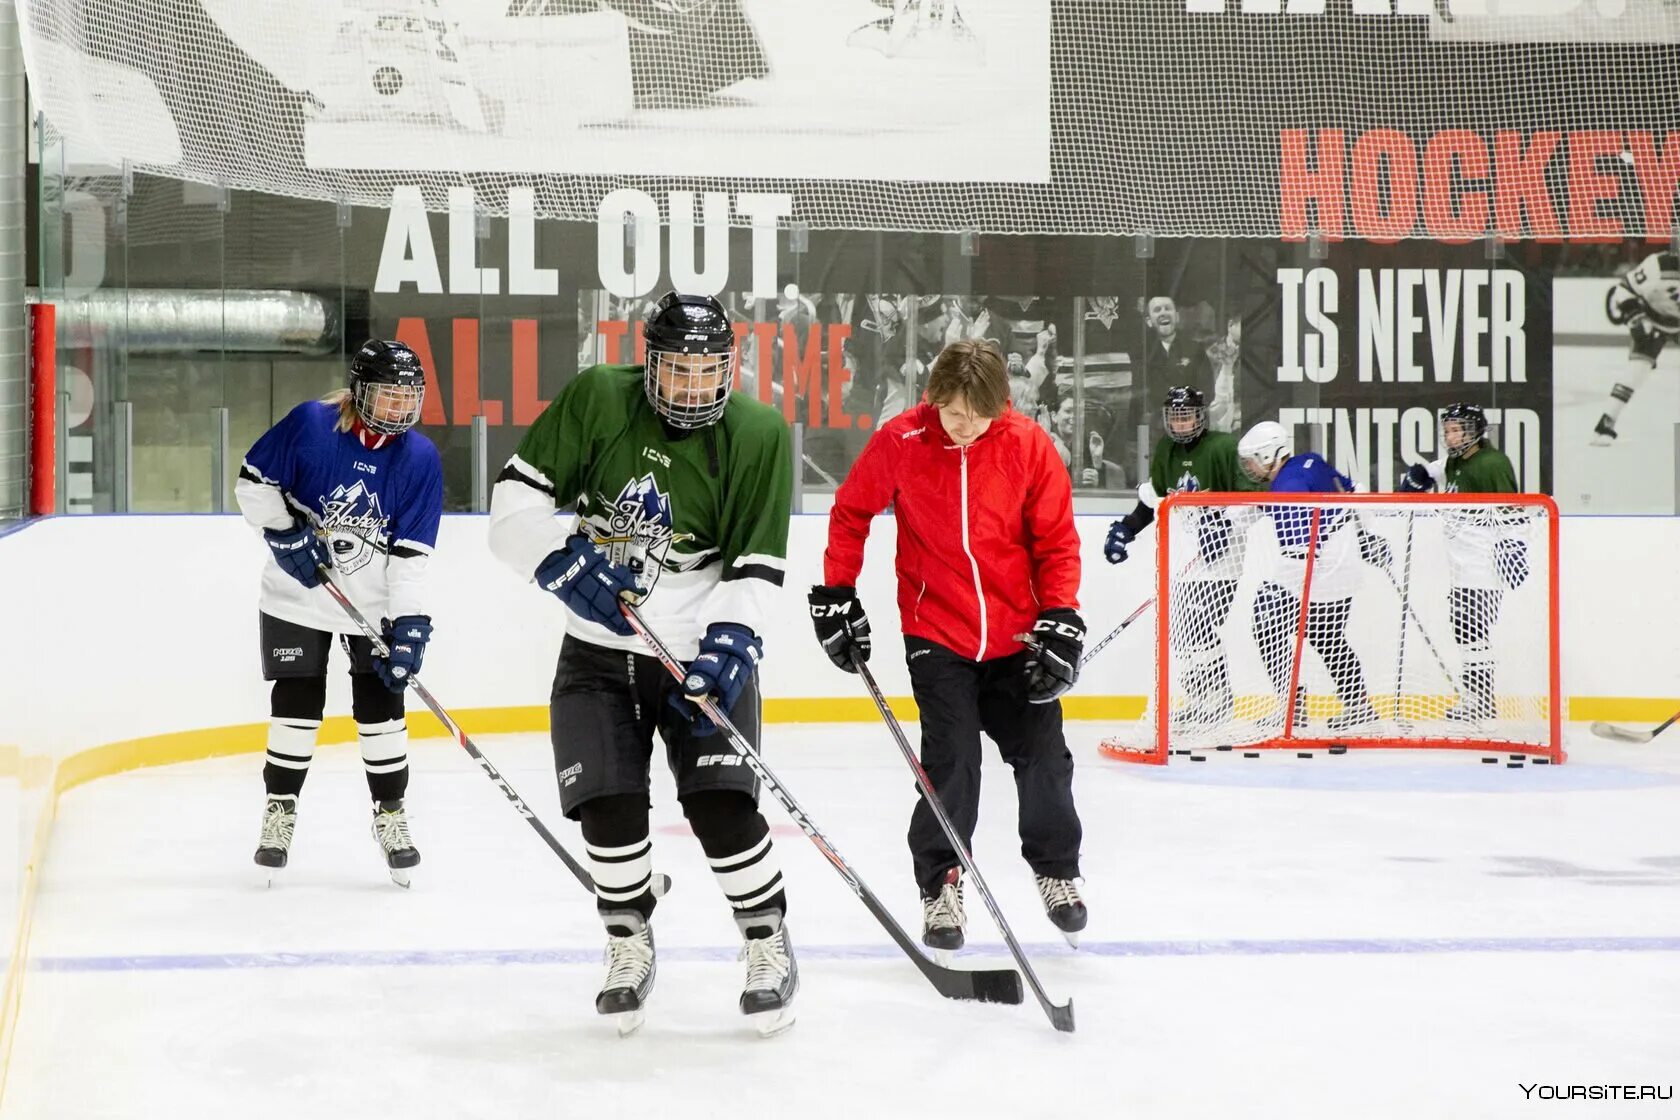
(1214, 536)
(1120, 535)
(1510, 560)
(582, 577)
(299, 552)
(406, 638)
(1416, 480)
(1374, 550)
(1056, 643)
(841, 625)
(728, 655)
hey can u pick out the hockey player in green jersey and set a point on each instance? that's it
(1487, 550)
(1189, 457)
(683, 492)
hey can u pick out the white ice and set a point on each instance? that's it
(1376, 936)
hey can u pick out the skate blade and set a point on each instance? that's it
(769, 1024)
(944, 957)
(629, 1022)
(399, 876)
(1072, 937)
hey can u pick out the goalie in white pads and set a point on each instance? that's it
(1647, 302)
(1487, 552)
(1189, 457)
(1340, 543)
(343, 483)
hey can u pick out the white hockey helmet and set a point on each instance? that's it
(1264, 448)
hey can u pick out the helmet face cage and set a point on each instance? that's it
(1180, 411)
(387, 386)
(689, 388)
(387, 408)
(1469, 420)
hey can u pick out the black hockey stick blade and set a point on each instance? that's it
(1633, 734)
(989, 985)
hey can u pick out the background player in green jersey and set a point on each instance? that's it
(1189, 457)
(1487, 553)
(683, 491)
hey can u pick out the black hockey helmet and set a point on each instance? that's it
(387, 385)
(690, 359)
(1184, 402)
(1469, 418)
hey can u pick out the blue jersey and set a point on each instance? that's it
(379, 507)
(1307, 473)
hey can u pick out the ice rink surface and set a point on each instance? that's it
(1379, 935)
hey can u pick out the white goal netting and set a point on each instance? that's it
(1170, 117)
(1315, 621)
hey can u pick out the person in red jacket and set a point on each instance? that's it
(988, 580)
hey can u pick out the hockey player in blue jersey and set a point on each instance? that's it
(1268, 457)
(343, 483)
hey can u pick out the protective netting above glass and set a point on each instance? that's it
(1377, 118)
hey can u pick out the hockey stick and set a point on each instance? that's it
(1406, 599)
(661, 881)
(991, 986)
(1115, 633)
(1405, 606)
(1060, 1017)
(1633, 734)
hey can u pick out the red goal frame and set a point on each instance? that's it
(1169, 552)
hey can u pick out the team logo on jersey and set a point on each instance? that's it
(635, 529)
(1187, 483)
(1104, 309)
(355, 526)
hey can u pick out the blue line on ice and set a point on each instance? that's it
(572, 956)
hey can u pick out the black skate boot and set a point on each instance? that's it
(1604, 432)
(1063, 906)
(943, 920)
(279, 819)
(390, 829)
(1475, 703)
(1355, 714)
(772, 972)
(630, 969)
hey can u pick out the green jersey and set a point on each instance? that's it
(1472, 534)
(1208, 464)
(701, 517)
(1488, 471)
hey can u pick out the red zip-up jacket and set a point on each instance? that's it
(985, 532)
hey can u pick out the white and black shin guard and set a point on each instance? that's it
(736, 839)
(623, 876)
(295, 704)
(382, 733)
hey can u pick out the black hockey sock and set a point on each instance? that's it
(382, 732)
(295, 707)
(736, 839)
(615, 839)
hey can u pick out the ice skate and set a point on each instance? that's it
(1356, 714)
(630, 970)
(279, 819)
(943, 920)
(772, 972)
(1207, 709)
(1470, 709)
(1273, 720)
(390, 829)
(1604, 432)
(1063, 906)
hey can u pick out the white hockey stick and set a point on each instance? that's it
(1633, 734)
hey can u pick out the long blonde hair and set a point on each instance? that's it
(346, 409)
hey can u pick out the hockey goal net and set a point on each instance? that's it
(1307, 621)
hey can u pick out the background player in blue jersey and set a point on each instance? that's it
(1268, 457)
(343, 482)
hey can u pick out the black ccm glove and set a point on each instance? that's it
(841, 625)
(1056, 643)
